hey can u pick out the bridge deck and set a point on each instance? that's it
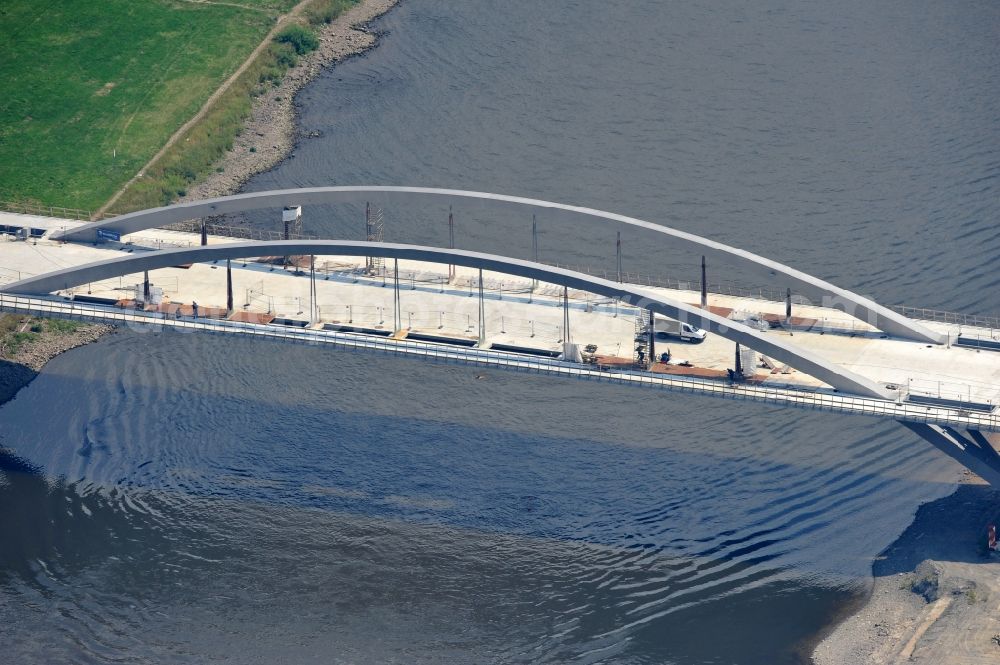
(518, 315)
(817, 400)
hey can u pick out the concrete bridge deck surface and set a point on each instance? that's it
(516, 314)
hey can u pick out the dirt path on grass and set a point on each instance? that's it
(269, 134)
(226, 4)
(214, 97)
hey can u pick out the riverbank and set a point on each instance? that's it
(267, 138)
(28, 343)
(269, 135)
(935, 593)
(102, 86)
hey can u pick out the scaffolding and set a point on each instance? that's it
(374, 225)
(291, 217)
(641, 352)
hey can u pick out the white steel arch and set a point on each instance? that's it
(851, 303)
(776, 347)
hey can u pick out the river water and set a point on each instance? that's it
(176, 498)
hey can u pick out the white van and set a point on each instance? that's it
(664, 327)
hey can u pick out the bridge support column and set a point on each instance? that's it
(368, 226)
(704, 285)
(451, 244)
(397, 321)
(973, 450)
(229, 288)
(204, 233)
(788, 307)
(652, 337)
(618, 256)
(566, 337)
(534, 254)
(482, 311)
(313, 304)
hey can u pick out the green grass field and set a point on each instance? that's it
(91, 89)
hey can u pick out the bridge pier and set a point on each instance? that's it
(973, 450)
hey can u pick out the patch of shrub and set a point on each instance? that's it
(926, 581)
(301, 38)
(325, 11)
(60, 326)
(286, 58)
(17, 340)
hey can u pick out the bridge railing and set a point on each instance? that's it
(823, 400)
(675, 283)
(493, 287)
(512, 286)
(161, 243)
(230, 231)
(506, 287)
(12, 275)
(971, 320)
(50, 211)
(500, 288)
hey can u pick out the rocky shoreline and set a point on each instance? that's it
(49, 345)
(934, 592)
(269, 135)
(18, 371)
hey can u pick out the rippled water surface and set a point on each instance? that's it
(176, 498)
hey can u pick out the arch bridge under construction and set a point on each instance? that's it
(936, 374)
